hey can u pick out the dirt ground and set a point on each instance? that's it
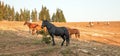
(99, 40)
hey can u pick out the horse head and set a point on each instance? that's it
(44, 23)
(26, 22)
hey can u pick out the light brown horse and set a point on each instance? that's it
(38, 28)
(30, 25)
(74, 31)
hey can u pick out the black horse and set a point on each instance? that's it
(57, 31)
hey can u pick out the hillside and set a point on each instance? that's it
(99, 40)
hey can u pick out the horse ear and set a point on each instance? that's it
(45, 20)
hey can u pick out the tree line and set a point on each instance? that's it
(8, 13)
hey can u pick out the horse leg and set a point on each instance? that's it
(29, 31)
(37, 32)
(53, 39)
(70, 35)
(67, 40)
(76, 35)
(63, 40)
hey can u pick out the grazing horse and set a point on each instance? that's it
(30, 25)
(74, 31)
(57, 31)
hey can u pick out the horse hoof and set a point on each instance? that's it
(66, 45)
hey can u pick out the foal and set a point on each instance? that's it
(38, 28)
(30, 25)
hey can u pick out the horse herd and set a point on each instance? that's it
(64, 32)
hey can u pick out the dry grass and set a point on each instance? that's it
(99, 40)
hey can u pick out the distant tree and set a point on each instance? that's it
(62, 17)
(6, 12)
(17, 17)
(41, 14)
(27, 15)
(34, 15)
(1, 11)
(24, 15)
(12, 14)
(47, 15)
(54, 18)
(44, 14)
(59, 17)
(21, 15)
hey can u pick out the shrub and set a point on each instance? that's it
(42, 32)
(46, 39)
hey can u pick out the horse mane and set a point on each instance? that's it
(50, 24)
(27, 23)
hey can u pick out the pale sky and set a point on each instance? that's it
(74, 10)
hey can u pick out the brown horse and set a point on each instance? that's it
(37, 28)
(30, 25)
(74, 31)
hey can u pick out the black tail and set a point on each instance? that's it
(67, 36)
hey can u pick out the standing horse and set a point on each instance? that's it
(58, 31)
(74, 31)
(30, 25)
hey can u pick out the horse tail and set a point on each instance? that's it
(67, 35)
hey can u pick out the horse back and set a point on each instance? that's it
(76, 31)
(65, 31)
(73, 31)
(33, 25)
(59, 31)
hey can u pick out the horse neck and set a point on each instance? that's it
(49, 25)
(28, 24)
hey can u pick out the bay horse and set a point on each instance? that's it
(30, 25)
(57, 31)
(74, 31)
